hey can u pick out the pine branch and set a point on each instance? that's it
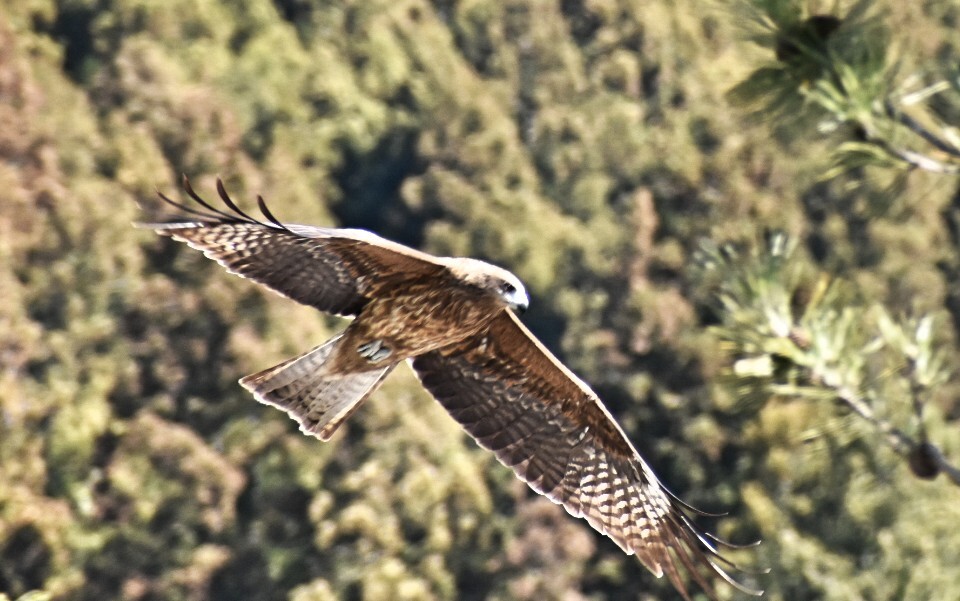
(906, 120)
(836, 70)
(793, 333)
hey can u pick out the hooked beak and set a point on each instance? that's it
(519, 302)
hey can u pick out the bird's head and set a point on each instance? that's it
(503, 285)
(511, 290)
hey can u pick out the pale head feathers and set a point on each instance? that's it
(506, 286)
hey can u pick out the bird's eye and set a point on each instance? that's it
(508, 288)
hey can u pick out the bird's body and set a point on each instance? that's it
(453, 319)
(418, 319)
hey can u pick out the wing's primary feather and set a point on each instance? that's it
(334, 270)
(520, 402)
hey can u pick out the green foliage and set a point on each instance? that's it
(584, 145)
(836, 69)
(822, 368)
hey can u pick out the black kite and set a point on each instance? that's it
(454, 320)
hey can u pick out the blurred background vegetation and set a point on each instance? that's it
(738, 221)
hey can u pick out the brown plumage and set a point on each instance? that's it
(454, 320)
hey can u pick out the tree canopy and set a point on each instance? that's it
(729, 224)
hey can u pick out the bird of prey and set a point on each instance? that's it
(454, 320)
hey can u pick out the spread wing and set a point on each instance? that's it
(335, 270)
(519, 401)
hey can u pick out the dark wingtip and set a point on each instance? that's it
(179, 206)
(209, 214)
(185, 183)
(222, 192)
(730, 545)
(701, 545)
(691, 508)
(754, 592)
(196, 198)
(262, 205)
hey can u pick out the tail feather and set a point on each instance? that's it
(319, 401)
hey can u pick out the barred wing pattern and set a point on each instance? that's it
(540, 420)
(334, 270)
(501, 384)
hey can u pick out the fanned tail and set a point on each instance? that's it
(319, 401)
